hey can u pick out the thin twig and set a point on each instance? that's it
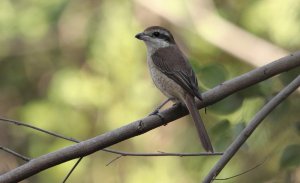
(160, 153)
(245, 134)
(168, 154)
(71, 171)
(15, 153)
(244, 172)
(113, 160)
(19, 123)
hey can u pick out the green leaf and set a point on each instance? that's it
(238, 128)
(289, 76)
(290, 156)
(228, 105)
(220, 127)
(212, 75)
(297, 127)
(222, 133)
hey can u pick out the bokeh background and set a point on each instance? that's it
(75, 68)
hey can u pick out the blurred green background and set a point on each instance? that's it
(74, 67)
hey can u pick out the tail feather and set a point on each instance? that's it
(202, 133)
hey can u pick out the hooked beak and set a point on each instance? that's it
(141, 36)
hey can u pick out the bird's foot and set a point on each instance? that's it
(178, 104)
(155, 112)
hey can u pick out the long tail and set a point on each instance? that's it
(202, 133)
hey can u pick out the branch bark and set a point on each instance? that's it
(141, 126)
(245, 134)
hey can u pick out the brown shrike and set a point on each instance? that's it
(173, 75)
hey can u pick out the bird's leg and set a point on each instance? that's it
(159, 107)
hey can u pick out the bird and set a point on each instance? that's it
(173, 75)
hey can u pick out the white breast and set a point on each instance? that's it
(166, 85)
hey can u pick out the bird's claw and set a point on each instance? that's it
(153, 113)
(177, 104)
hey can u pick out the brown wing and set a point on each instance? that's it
(171, 62)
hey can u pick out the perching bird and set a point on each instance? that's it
(173, 75)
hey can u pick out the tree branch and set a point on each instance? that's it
(245, 134)
(141, 126)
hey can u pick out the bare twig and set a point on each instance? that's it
(71, 171)
(19, 123)
(141, 126)
(15, 153)
(244, 172)
(113, 160)
(245, 134)
(160, 153)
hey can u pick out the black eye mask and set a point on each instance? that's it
(161, 36)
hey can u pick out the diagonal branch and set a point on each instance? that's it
(245, 134)
(141, 126)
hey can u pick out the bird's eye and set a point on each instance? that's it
(156, 34)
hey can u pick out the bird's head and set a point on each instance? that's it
(156, 37)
